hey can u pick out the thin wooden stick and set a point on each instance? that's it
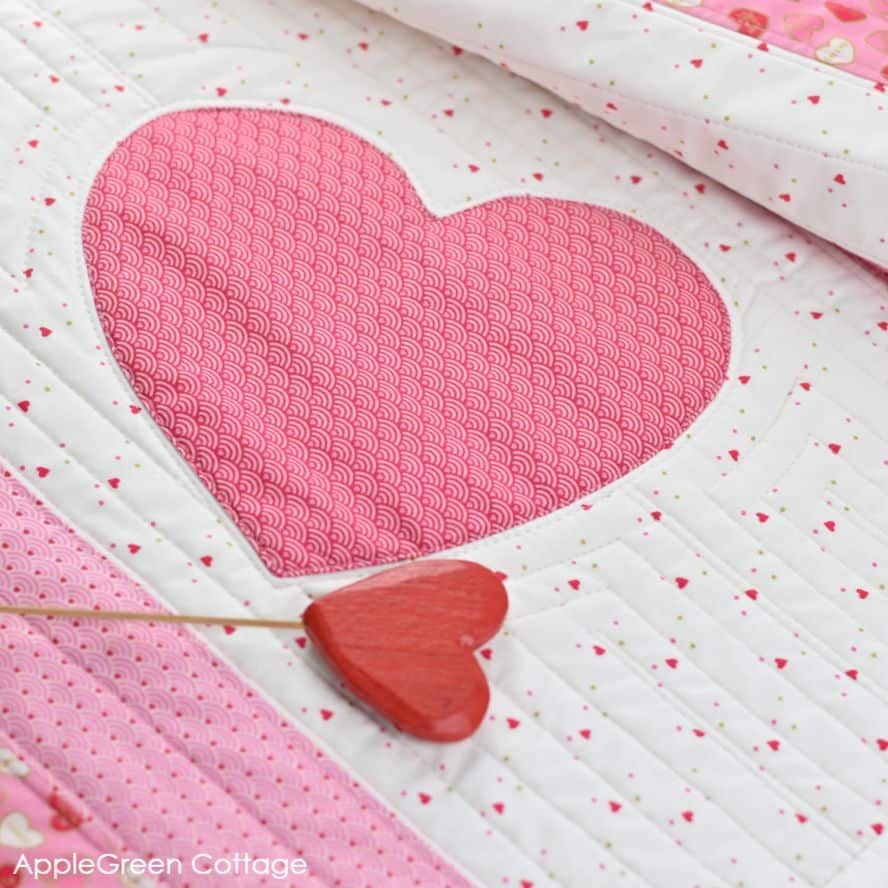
(73, 613)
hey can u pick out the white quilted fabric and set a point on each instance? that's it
(805, 139)
(691, 687)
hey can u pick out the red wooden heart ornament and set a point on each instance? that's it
(403, 641)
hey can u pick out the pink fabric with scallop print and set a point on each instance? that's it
(140, 737)
(357, 380)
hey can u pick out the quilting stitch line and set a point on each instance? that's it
(57, 23)
(838, 839)
(730, 748)
(657, 826)
(704, 611)
(328, 487)
(780, 617)
(28, 48)
(836, 835)
(40, 782)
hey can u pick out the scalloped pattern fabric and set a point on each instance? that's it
(152, 744)
(359, 381)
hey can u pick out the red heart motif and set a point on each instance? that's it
(845, 13)
(750, 22)
(358, 381)
(9, 878)
(403, 641)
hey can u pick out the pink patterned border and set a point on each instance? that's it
(162, 744)
(850, 35)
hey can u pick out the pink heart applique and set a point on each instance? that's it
(802, 26)
(358, 381)
(878, 40)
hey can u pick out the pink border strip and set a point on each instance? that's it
(164, 745)
(850, 36)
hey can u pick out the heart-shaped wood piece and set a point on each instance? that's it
(403, 641)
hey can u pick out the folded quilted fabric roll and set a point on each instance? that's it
(783, 102)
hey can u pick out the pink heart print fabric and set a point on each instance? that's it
(357, 380)
(851, 35)
(39, 826)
